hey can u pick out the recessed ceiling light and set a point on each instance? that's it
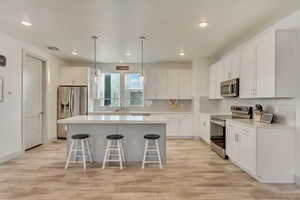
(75, 53)
(26, 23)
(121, 61)
(181, 53)
(203, 24)
(128, 53)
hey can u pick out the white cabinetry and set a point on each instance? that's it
(216, 76)
(205, 127)
(248, 79)
(168, 83)
(73, 75)
(232, 64)
(241, 146)
(185, 125)
(267, 66)
(212, 82)
(179, 125)
(185, 84)
(173, 83)
(266, 153)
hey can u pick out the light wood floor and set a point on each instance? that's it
(192, 172)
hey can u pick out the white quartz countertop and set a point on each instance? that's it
(139, 112)
(254, 124)
(113, 119)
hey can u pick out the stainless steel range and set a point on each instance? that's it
(218, 127)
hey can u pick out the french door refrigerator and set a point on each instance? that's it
(71, 101)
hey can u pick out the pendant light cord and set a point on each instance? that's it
(142, 57)
(95, 54)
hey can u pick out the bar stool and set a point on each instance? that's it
(151, 145)
(114, 150)
(79, 149)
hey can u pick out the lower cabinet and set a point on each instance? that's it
(205, 127)
(179, 125)
(264, 153)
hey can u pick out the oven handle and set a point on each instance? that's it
(218, 123)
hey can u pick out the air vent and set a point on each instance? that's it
(52, 48)
(122, 67)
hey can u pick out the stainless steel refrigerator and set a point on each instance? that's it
(71, 101)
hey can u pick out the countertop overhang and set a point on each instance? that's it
(113, 119)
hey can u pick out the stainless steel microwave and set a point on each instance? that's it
(230, 88)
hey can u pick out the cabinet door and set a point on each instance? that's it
(172, 127)
(220, 77)
(232, 146)
(266, 66)
(162, 83)
(205, 128)
(227, 65)
(186, 125)
(173, 84)
(150, 84)
(235, 65)
(248, 82)
(247, 149)
(212, 82)
(185, 83)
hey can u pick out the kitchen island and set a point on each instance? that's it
(133, 128)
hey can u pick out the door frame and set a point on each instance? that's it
(44, 92)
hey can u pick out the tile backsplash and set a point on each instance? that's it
(153, 105)
(283, 109)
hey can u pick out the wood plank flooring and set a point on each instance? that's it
(192, 172)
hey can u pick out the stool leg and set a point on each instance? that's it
(145, 153)
(123, 154)
(83, 154)
(120, 154)
(158, 153)
(106, 152)
(76, 144)
(69, 154)
(89, 150)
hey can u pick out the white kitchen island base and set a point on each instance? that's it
(132, 128)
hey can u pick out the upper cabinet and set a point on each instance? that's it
(216, 76)
(232, 65)
(168, 83)
(267, 66)
(69, 75)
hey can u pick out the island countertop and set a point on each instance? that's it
(113, 119)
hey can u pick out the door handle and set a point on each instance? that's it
(41, 114)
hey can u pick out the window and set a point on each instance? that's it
(134, 90)
(108, 90)
(118, 89)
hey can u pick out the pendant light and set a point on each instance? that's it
(142, 38)
(95, 57)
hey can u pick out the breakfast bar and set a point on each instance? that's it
(133, 128)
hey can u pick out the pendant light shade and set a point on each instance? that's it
(95, 58)
(142, 77)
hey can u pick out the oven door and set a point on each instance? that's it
(218, 136)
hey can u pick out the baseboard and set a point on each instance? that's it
(10, 156)
(297, 180)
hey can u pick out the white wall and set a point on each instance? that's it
(10, 109)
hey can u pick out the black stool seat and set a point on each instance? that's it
(152, 136)
(115, 137)
(80, 136)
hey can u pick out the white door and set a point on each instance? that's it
(32, 102)
(186, 125)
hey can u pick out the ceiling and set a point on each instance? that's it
(170, 26)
